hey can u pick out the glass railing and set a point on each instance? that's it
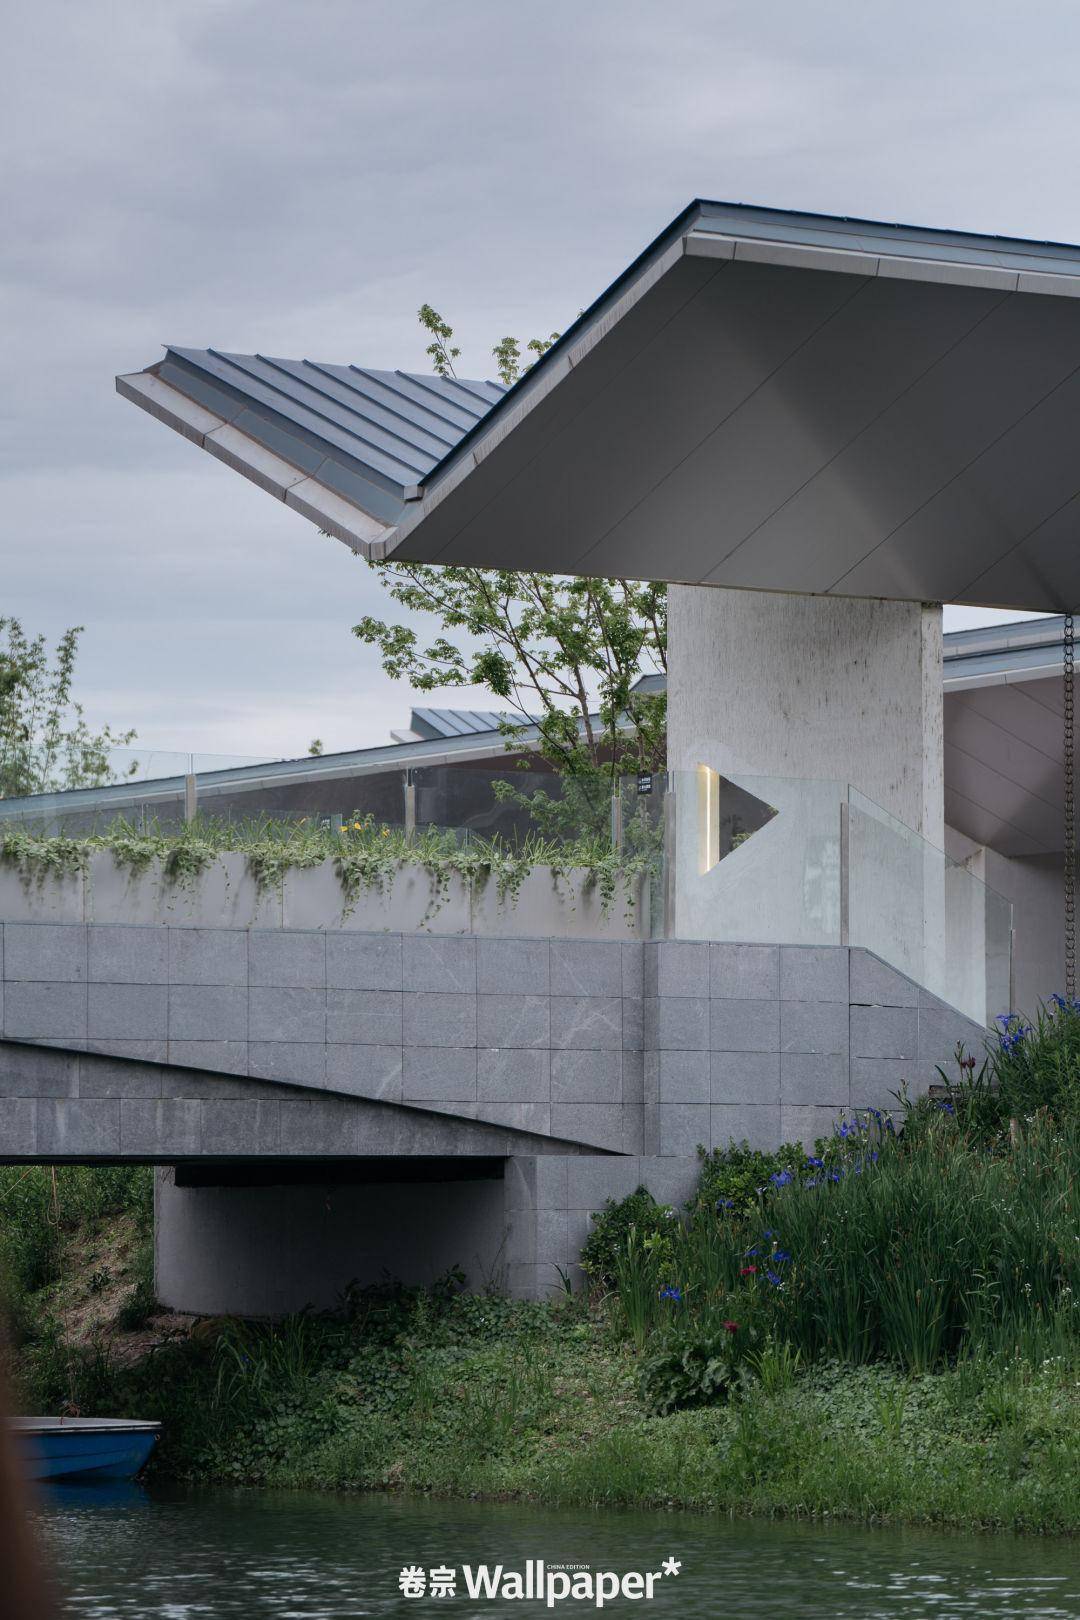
(154, 764)
(140, 785)
(766, 859)
(163, 791)
(755, 859)
(926, 914)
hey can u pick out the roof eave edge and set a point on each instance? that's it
(302, 492)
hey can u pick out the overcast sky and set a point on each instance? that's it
(297, 176)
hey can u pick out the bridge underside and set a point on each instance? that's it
(62, 1105)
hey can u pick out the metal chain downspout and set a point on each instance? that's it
(1069, 763)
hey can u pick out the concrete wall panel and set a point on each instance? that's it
(264, 1251)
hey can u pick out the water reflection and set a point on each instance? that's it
(285, 1556)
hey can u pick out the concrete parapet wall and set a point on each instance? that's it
(226, 895)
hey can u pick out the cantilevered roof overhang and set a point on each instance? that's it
(764, 399)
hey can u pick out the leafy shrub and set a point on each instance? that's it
(972, 1099)
(913, 1249)
(39, 1205)
(1032, 1069)
(691, 1368)
(739, 1176)
(638, 1211)
(53, 1376)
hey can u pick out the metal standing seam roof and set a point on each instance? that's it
(461, 722)
(763, 399)
(1004, 654)
(339, 433)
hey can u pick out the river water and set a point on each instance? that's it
(291, 1556)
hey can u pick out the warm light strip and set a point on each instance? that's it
(709, 800)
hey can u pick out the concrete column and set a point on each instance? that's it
(775, 691)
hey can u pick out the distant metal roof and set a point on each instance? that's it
(763, 399)
(1002, 654)
(460, 722)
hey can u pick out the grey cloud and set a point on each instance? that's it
(297, 177)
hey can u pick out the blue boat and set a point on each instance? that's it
(83, 1448)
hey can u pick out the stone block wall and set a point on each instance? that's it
(542, 1036)
(769, 1043)
(617, 1046)
(550, 1203)
(87, 1106)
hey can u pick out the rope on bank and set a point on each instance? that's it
(1069, 764)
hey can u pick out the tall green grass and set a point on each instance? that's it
(914, 1251)
(957, 1238)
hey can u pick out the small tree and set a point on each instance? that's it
(561, 654)
(45, 742)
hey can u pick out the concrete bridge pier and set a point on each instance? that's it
(265, 1240)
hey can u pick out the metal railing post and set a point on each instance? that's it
(410, 806)
(616, 820)
(191, 791)
(669, 858)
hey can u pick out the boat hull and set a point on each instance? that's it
(83, 1449)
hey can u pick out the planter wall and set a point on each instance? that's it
(226, 895)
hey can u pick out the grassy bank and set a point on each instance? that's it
(471, 1396)
(885, 1329)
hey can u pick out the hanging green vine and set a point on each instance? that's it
(366, 856)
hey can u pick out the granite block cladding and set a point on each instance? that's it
(569, 1070)
(550, 1203)
(769, 1043)
(622, 1047)
(542, 1035)
(57, 1105)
